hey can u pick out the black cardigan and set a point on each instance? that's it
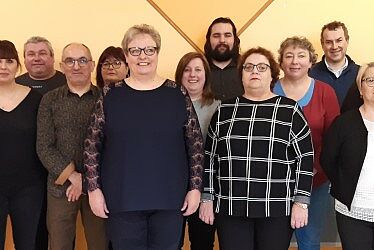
(343, 154)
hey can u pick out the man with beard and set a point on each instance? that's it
(222, 51)
(336, 68)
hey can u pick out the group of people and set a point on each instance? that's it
(228, 146)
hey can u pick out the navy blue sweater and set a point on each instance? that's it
(345, 83)
(145, 148)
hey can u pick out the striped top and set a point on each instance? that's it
(259, 158)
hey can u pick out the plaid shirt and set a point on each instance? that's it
(259, 158)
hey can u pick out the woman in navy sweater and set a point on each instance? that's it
(144, 152)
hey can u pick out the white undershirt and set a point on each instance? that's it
(337, 72)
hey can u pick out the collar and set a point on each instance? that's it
(232, 64)
(92, 91)
(337, 72)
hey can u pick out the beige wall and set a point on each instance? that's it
(99, 24)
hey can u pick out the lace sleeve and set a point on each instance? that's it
(194, 145)
(93, 147)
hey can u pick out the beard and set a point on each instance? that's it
(222, 56)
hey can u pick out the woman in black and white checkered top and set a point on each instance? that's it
(259, 163)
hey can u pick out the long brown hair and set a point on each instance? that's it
(207, 96)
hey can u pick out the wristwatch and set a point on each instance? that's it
(302, 205)
(204, 201)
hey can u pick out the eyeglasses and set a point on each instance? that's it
(369, 81)
(149, 51)
(261, 67)
(115, 64)
(82, 62)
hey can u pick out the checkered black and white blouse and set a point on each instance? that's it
(258, 158)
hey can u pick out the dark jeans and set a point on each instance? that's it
(201, 235)
(145, 230)
(242, 233)
(24, 208)
(355, 234)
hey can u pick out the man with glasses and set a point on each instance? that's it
(63, 119)
(336, 68)
(222, 51)
(39, 62)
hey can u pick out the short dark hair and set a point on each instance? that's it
(207, 45)
(333, 26)
(207, 96)
(111, 51)
(274, 67)
(9, 51)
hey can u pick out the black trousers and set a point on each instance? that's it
(242, 233)
(145, 230)
(355, 234)
(41, 242)
(201, 235)
(24, 208)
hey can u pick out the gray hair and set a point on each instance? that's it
(39, 39)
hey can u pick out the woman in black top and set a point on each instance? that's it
(348, 160)
(144, 152)
(21, 184)
(258, 163)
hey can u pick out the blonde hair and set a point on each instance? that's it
(141, 29)
(361, 73)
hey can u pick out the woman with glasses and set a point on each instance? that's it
(144, 152)
(320, 107)
(22, 186)
(193, 73)
(258, 163)
(348, 159)
(111, 67)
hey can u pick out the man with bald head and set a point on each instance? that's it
(63, 119)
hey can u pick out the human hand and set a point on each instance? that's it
(97, 203)
(299, 217)
(74, 191)
(191, 202)
(206, 213)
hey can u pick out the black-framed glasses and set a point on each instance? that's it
(136, 51)
(369, 81)
(115, 64)
(82, 62)
(261, 67)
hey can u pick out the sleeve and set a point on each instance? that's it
(93, 147)
(58, 166)
(301, 142)
(330, 151)
(211, 159)
(332, 110)
(194, 145)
